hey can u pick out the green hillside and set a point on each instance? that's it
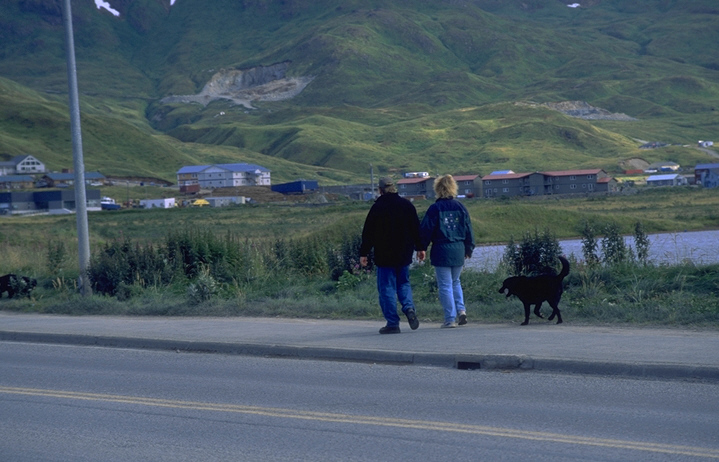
(431, 85)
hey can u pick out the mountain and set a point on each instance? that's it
(323, 88)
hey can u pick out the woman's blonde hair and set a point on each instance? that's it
(445, 187)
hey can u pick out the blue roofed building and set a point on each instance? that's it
(223, 176)
(707, 175)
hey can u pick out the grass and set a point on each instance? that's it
(44, 247)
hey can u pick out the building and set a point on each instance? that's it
(665, 167)
(16, 182)
(672, 179)
(223, 176)
(707, 175)
(166, 203)
(57, 201)
(415, 187)
(22, 165)
(512, 184)
(225, 201)
(63, 180)
(296, 187)
(572, 181)
(545, 183)
(468, 185)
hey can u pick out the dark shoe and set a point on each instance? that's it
(462, 319)
(412, 319)
(389, 330)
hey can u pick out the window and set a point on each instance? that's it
(505, 190)
(572, 186)
(572, 177)
(589, 177)
(556, 186)
(505, 181)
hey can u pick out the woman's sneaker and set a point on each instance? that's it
(462, 319)
(448, 325)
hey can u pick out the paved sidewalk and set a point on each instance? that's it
(636, 352)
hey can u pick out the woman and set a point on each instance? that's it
(448, 227)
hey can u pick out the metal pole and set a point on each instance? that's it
(371, 179)
(83, 239)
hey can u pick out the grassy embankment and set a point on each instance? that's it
(282, 266)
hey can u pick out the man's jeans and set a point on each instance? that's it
(450, 291)
(393, 284)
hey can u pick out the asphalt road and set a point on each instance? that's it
(68, 403)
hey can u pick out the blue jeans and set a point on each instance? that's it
(450, 291)
(393, 284)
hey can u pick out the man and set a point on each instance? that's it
(392, 230)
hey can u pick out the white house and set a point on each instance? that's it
(22, 165)
(673, 179)
(223, 176)
(166, 203)
(231, 175)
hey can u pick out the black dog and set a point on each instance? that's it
(537, 289)
(13, 284)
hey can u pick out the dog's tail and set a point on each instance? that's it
(565, 267)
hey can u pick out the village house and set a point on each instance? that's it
(54, 202)
(707, 175)
(16, 182)
(21, 165)
(469, 185)
(222, 176)
(416, 187)
(546, 183)
(672, 179)
(64, 180)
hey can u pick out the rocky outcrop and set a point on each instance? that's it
(583, 110)
(243, 87)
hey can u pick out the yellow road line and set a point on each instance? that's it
(370, 420)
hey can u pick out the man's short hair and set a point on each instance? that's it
(386, 184)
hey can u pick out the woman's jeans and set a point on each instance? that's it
(450, 291)
(393, 284)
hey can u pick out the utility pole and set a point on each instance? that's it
(371, 179)
(83, 239)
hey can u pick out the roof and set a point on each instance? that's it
(242, 167)
(15, 179)
(71, 176)
(606, 179)
(706, 166)
(505, 176)
(192, 169)
(670, 176)
(466, 177)
(413, 180)
(592, 171)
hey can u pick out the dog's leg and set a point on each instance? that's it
(536, 310)
(526, 314)
(555, 311)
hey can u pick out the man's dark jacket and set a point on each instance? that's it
(392, 229)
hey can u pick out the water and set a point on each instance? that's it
(698, 247)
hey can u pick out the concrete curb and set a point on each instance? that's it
(459, 361)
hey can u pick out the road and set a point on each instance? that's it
(67, 403)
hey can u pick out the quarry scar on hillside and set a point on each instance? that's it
(242, 87)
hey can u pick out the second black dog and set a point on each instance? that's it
(534, 290)
(13, 284)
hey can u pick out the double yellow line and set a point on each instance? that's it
(451, 427)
